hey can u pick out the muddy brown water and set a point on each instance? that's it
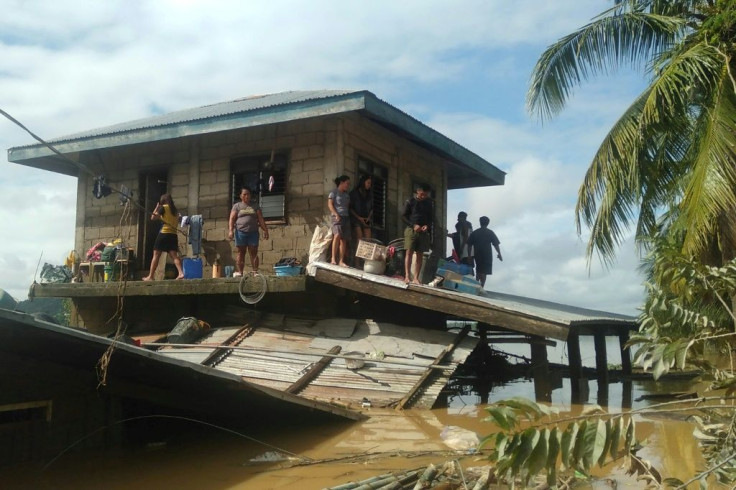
(186, 455)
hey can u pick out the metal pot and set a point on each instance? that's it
(355, 363)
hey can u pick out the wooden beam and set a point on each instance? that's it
(223, 285)
(540, 372)
(601, 359)
(625, 353)
(437, 361)
(313, 372)
(463, 306)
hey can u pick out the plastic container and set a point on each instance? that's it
(287, 270)
(192, 268)
(374, 266)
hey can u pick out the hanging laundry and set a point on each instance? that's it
(271, 182)
(195, 233)
(100, 188)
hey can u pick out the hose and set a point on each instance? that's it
(253, 281)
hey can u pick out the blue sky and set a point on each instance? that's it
(461, 67)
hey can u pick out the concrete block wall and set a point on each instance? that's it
(199, 180)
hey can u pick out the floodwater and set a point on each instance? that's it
(187, 455)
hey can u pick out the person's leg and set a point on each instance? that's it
(174, 254)
(335, 248)
(358, 236)
(240, 261)
(343, 251)
(367, 232)
(407, 266)
(419, 257)
(482, 279)
(253, 251)
(154, 265)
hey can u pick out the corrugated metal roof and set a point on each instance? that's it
(262, 110)
(281, 350)
(570, 315)
(217, 110)
(201, 387)
(527, 315)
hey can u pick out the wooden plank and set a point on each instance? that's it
(438, 360)
(275, 284)
(447, 302)
(313, 371)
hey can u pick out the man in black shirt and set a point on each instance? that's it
(418, 216)
(482, 240)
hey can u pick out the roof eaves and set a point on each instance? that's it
(391, 115)
(273, 114)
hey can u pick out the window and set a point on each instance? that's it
(379, 182)
(265, 176)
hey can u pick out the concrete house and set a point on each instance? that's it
(287, 146)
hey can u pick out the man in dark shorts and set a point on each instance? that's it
(481, 241)
(418, 216)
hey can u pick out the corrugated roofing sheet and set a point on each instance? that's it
(219, 109)
(396, 357)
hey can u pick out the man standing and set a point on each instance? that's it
(481, 240)
(418, 216)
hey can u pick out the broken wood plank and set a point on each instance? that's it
(438, 360)
(313, 371)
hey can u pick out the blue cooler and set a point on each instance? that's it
(192, 268)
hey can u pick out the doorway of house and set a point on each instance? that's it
(152, 185)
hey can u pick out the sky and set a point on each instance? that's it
(462, 68)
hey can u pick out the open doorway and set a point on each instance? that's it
(152, 185)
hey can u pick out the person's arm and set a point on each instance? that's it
(156, 212)
(331, 206)
(231, 224)
(498, 251)
(407, 213)
(262, 223)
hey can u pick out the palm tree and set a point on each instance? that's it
(672, 151)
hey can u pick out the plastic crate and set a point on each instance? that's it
(370, 251)
(287, 270)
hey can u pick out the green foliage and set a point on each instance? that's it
(594, 438)
(672, 151)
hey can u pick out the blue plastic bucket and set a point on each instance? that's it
(192, 268)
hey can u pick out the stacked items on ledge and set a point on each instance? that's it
(457, 277)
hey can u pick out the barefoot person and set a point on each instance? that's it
(418, 216)
(361, 211)
(338, 203)
(245, 218)
(166, 241)
(481, 241)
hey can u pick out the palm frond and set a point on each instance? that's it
(709, 191)
(623, 37)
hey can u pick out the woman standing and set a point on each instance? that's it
(361, 208)
(166, 241)
(338, 202)
(246, 217)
